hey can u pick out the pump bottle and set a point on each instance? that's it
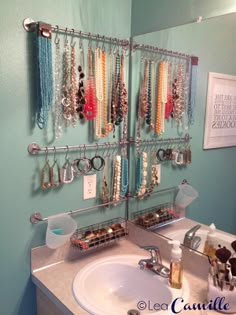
(176, 266)
(210, 244)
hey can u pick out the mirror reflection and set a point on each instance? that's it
(210, 172)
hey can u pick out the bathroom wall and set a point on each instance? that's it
(20, 192)
(152, 15)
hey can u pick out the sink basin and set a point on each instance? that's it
(223, 239)
(115, 284)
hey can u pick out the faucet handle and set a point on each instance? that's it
(154, 251)
(150, 247)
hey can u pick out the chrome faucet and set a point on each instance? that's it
(190, 239)
(154, 263)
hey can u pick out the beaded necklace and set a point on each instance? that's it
(159, 98)
(169, 103)
(99, 91)
(90, 107)
(149, 94)
(109, 123)
(105, 126)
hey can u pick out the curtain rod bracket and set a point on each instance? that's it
(36, 217)
(33, 148)
(29, 24)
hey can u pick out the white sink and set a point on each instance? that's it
(115, 284)
(223, 239)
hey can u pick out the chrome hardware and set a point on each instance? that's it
(154, 263)
(190, 240)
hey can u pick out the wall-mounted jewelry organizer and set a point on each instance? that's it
(103, 101)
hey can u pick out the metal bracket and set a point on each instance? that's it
(29, 24)
(33, 148)
(36, 217)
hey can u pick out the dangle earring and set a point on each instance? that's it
(45, 173)
(55, 167)
(67, 173)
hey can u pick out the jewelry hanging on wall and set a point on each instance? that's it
(45, 173)
(66, 81)
(159, 99)
(45, 73)
(55, 174)
(169, 104)
(67, 173)
(104, 127)
(90, 107)
(117, 178)
(57, 75)
(99, 91)
(81, 87)
(73, 90)
(110, 80)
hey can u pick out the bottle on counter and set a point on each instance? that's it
(211, 240)
(176, 266)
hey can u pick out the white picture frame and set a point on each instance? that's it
(220, 119)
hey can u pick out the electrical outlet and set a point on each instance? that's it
(90, 186)
(158, 169)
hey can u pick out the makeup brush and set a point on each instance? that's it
(232, 262)
(223, 254)
(233, 245)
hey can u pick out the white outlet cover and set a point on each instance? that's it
(158, 168)
(90, 186)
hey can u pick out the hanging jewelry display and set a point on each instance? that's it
(116, 177)
(45, 174)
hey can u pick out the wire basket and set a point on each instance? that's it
(101, 234)
(157, 216)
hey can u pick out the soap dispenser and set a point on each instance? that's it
(210, 244)
(176, 266)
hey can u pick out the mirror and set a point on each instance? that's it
(212, 41)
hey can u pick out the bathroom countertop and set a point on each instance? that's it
(56, 279)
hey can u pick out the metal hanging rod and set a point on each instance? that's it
(36, 217)
(35, 148)
(148, 194)
(186, 138)
(162, 51)
(30, 25)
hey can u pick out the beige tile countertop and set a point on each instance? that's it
(53, 271)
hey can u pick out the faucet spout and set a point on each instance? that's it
(190, 240)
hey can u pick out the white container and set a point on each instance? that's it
(59, 230)
(185, 196)
(215, 293)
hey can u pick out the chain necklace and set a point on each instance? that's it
(73, 91)
(58, 106)
(66, 81)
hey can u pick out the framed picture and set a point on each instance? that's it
(220, 120)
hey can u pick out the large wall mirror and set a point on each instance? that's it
(212, 172)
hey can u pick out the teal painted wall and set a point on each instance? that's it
(212, 172)
(152, 15)
(20, 192)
